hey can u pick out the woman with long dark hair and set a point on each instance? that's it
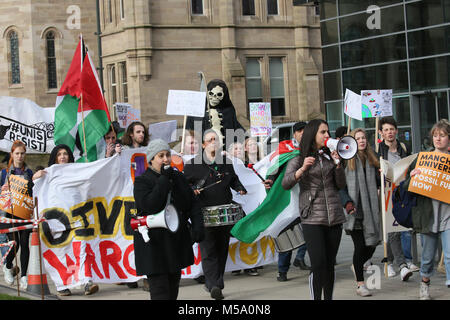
(320, 207)
(62, 154)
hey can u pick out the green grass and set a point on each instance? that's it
(8, 297)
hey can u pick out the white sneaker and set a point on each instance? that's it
(412, 267)
(424, 291)
(405, 274)
(390, 271)
(9, 278)
(23, 282)
(363, 291)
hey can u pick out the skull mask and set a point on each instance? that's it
(215, 96)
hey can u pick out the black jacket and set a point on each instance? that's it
(200, 174)
(166, 252)
(402, 150)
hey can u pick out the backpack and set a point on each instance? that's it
(402, 204)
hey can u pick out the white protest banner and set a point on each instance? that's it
(260, 119)
(241, 256)
(126, 114)
(394, 174)
(376, 103)
(163, 130)
(87, 235)
(22, 119)
(186, 103)
(353, 107)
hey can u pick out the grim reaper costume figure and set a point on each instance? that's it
(220, 114)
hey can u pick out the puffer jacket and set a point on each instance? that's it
(319, 197)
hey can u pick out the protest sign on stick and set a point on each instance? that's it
(186, 103)
(260, 119)
(434, 178)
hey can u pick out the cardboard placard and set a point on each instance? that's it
(434, 179)
(20, 203)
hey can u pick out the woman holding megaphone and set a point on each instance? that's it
(160, 251)
(321, 212)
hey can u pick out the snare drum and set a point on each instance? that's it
(290, 239)
(224, 215)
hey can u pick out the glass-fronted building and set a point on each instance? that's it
(388, 44)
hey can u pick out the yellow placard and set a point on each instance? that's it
(434, 180)
(21, 203)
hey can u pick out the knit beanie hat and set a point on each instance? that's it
(156, 146)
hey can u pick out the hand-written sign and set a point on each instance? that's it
(434, 178)
(185, 102)
(21, 203)
(260, 119)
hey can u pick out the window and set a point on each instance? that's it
(276, 75)
(265, 83)
(384, 49)
(248, 7)
(429, 42)
(113, 83)
(14, 57)
(197, 7)
(355, 26)
(51, 60)
(254, 80)
(272, 7)
(124, 81)
(122, 9)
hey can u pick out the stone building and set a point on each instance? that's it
(38, 40)
(265, 50)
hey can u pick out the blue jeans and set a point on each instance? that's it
(429, 248)
(284, 258)
(406, 244)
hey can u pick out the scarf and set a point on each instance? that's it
(364, 186)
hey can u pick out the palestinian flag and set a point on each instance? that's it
(279, 208)
(81, 115)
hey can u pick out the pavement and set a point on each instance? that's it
(266, 287)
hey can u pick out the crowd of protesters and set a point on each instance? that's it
(335, 195)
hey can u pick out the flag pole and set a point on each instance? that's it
(383, 216)
(84, 131)
(377, 127)
(349, 125)
(14, 233)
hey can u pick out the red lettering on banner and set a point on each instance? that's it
(388, 198)
(112, 259)
(90, 262)
(65, 272)
(126, 260)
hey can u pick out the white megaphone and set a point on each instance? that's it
(346, 147)
(167, 218)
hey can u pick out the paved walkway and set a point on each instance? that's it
(266, 287)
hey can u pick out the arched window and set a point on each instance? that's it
(52, 80)
(14, 57)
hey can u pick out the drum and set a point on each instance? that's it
(224, 215)
(290, 239)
